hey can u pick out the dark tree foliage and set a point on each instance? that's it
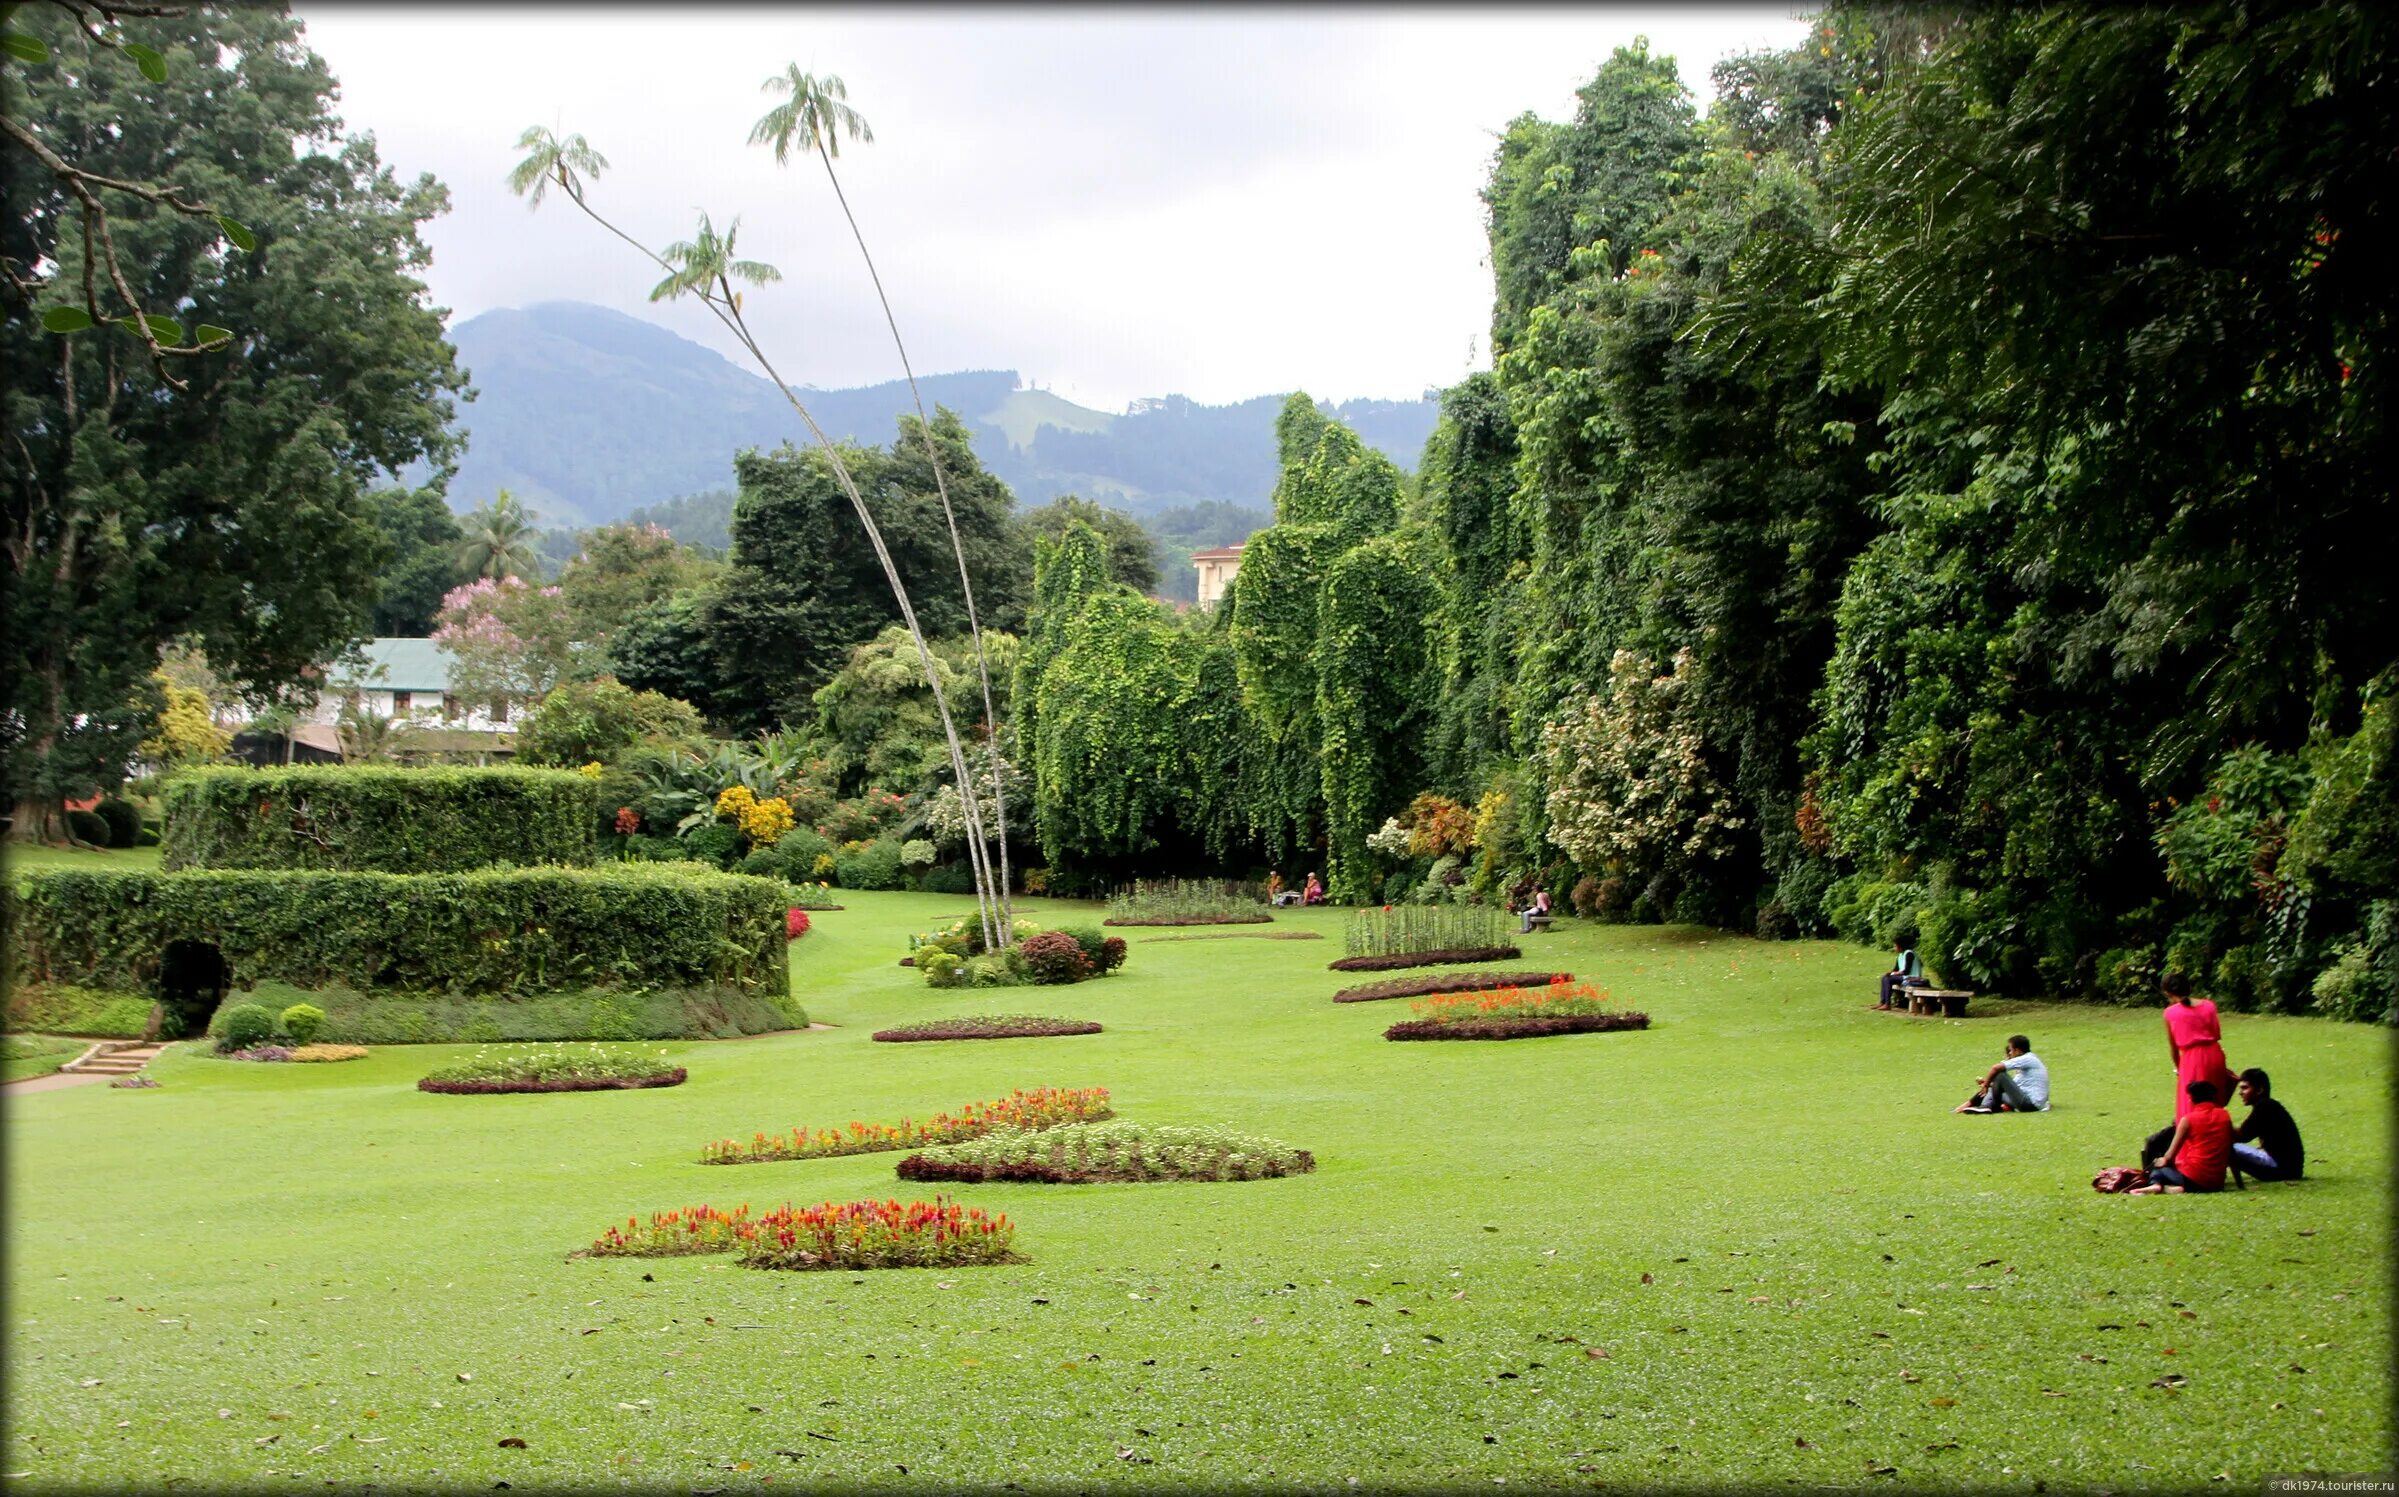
(1132, 553)
(235, 511)
(422, 536)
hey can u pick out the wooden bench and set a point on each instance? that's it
(1947, 1003)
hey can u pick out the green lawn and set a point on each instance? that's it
(27, 1055)
(21, 858)
(1800, 1267)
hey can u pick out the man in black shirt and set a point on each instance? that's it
(2266, 1145)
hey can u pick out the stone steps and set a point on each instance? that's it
(113, 1058)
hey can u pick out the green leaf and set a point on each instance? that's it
(66, 319)
(150, 60)
(24, 48)
(165, 329)
(242, 238)
(209, 332)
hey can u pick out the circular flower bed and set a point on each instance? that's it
(1515, 1013)
(1091, 1153)
(554, 1068)
(1453, 982)
(860, 1234)
(986, 1027)
(1450, 957)
(1042, 1107)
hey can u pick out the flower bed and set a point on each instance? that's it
(1248, 935)
(1450, 982)
(1408, 929)
(986, 1027)
(1452, 957)
(1260, 918)
(305, 1054)
(879, 1234)
(671, 1234)
(554, 1068)
(1512, 1013)
(795, 923)
(1188, 901)
(1116, 1151)
(1042, 1107)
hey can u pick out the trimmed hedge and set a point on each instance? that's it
(90, 1013)
(482, 934)
(340, 818)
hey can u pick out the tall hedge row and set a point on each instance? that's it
(486, 933)
(340, 818)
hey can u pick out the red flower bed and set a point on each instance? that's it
(1042, 1107)
(795, 924)
(879, 1234)
(1401, 959)
(990, 1027)
(1451, 982)
(669, 1234)
(560, 1084)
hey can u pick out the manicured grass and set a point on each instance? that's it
(1801, 1267)
(29, 1055)
(20, 857)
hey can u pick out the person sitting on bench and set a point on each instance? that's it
(1536, 914)
(1905, 971)
(2019, 1083)
(2266, 1145)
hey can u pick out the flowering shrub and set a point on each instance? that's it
(322, 1054)
(1630, 782)
(1042, 1107)
(592, 770)
(878, 1234)
(628, 821)
(1117, 1150)
(1562, 1007)
(986, 1027)
(1439, 827)
(554, 1068)
(813, 897)
(795, 923)
(762, 821)
(1454, 982)
(1392, 840)
(1056, 957)
(668, 1234)
(257, 1052)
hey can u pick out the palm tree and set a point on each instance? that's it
(499, 540)
(704, 267)
(368, 737)
(813, 116)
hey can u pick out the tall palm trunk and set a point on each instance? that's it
(978, 853)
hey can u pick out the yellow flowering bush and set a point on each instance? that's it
(765, 821)
(732, 803)
(591, 771)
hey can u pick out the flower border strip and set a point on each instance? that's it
(1457, 982)
(917, 1167)
(1197, 920)
(1451, 957)
(560, 1084)
(965, 1031)
(1514, 1029)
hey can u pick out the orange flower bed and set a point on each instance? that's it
(859, 1234)
(1506, 1013)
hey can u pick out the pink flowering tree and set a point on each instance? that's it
(509, 640)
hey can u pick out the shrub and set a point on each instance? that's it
(1106, 952)
(799, 849)
(950, 878)
(64, 1008)
(710, 842)
(554, 1068)
(763, 863)
(323, 1054)
(878, 1234)
(257, 1052)
(302, 1021)
(244, 1025)
(1426, 959)
(868, 865)
(1397, 888)
(942, 969)
(88, 826)
(1560, 1007)
(1188, 901)
(1112, 1151)
(496, 930)
(148, 837)
(1453, 982)
(917, 855)
(587, 720)
(1439, 827)
(2358, 987)
(1033, 880)
(1393, 930)
(358, 818)
(1056, 957)
(1042, 1107)
(998, 969)
(795, 923)
(1775, 922)
(985, 1027)
(1445, 875)
(669, 1234)
(124, 821)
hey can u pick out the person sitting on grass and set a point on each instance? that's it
(2266, 1145)
(1906, 969)
(1314, 893)
(2196, 1157)
(1276, 894)
(2019, 1083)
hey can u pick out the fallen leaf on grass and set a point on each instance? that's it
(2170, 1380)
(1596, 1353)
(1942, 1445)
(1906, 1376)
(512, 1443)
(1802, 1443)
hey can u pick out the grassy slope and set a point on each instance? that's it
(322, 1251)
(21, 858)
(30, 1055)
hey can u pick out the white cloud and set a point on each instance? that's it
(1213, 203)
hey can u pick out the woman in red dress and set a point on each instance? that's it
(2197, 1039)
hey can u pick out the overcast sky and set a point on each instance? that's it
(1215, 203)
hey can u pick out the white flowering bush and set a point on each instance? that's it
(1628, 775)
(1391, 841)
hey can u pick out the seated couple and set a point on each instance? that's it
(2019, 1083)
(2204, 1146)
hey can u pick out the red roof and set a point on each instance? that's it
(1220, 553)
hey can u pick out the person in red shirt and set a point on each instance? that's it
(2196, 1157)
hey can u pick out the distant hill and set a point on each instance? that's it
(589, 415)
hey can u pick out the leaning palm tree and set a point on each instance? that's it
(704, 267)
(499, 540)
(813, 116)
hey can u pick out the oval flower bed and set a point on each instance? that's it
(1452, 982)
(554, 1068)
(1122, 1150)
(1516, 1013)
(1449, 957)
(860, 1234)
(1042, 1107)
(671, 1234)
(986, 1027)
